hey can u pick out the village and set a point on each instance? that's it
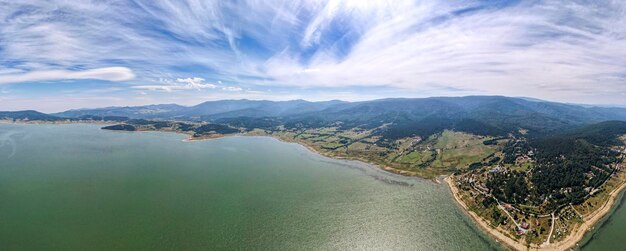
(532, 224)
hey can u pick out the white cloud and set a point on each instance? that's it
(180, 84)
(108, 74)
(560, 50)
(232, 88)
(195, 83)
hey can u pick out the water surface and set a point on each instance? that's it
(610, 233)
(76, 187)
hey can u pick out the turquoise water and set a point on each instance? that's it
(76, 187)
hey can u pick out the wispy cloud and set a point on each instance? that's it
(108, 74)
(561, 50)
(232, 88)
(180, 84)
(490, 50)
(194, 83)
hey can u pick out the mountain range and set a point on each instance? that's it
(400, 117)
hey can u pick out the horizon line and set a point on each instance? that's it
(531, 99)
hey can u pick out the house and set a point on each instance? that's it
(508, 207)
(524, 225)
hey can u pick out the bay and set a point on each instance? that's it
(76, 187)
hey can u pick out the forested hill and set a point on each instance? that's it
(208, 110)
(476, 114)
(393, 118)
(602, 134)
(27, 115)
(566, 166)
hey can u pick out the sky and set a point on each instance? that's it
(61, 54)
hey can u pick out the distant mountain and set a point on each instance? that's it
(27, 115)
(209, 110)
(604, 133)
(493, 115)
(254, 108)
(393, 118)
(143, 112)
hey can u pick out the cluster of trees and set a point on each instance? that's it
(567, 166)
(602, 134)
(184, 127)
(510, 187)
(436, 124)
(120, 127)
(250, 123)
(490, 142)
(487, 161)
(133, 124)
(563, 164)
(565, 170)
(217, 128)
(513, 149)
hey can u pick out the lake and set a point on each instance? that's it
(76, 187)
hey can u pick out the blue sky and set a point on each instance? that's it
(58, 54)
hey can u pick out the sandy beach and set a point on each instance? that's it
(500, 237)
(568, 243)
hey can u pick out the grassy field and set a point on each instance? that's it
(442, 151)
(435, 155)
(459, 150)
(438, 153)
(522, 168)
(415, 157)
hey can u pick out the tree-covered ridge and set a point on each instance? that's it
(604, 134)
(395, 118)
(27, 116)
(482, 115)
(565, 170)
(567, 167)
(196, 130)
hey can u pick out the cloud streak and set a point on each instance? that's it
(560, 50)
(180, 84)
(490, 50)
(194, 83)
(108, 74)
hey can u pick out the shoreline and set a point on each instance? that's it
(480, 222)
(570, 242)
(574, 239)
(312, 149)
